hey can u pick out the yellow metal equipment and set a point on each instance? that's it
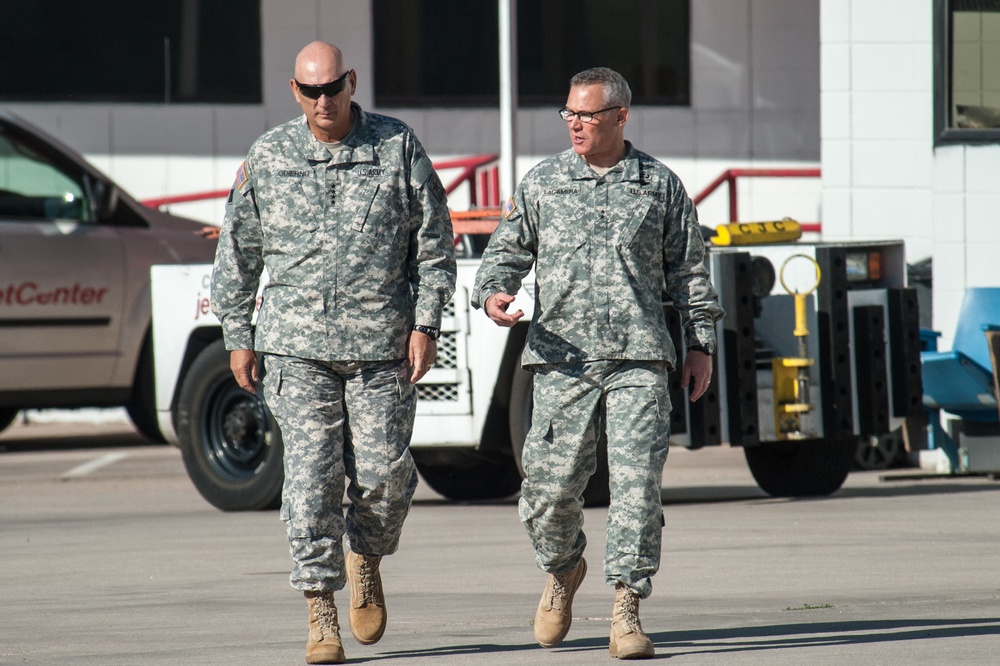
(791, 374)
(756, 233)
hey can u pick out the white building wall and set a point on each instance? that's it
(966, 213)
(877, 125)
(755, 102)
(882, 176)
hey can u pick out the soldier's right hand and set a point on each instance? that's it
(496, 309)
(243, 363)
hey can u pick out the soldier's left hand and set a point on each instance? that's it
(697, 367)
(423, 351)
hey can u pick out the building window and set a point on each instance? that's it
(171, 51)
(967, 71)
(445, 52)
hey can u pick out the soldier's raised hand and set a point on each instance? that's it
(496, 309)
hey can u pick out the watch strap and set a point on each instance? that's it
(434, 333)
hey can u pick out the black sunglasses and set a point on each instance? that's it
(328, 89)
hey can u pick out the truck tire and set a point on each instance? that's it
(230, 443)
(804, 468)
(880, 452)
(7, 416)
(141, 406)
(461, 474)
(598, 490)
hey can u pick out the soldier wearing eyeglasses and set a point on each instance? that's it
(607, 229)
(345, 213)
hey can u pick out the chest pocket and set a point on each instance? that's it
(640, 243)
(564, 233)
(641, 224)
(291, 209)
(366, 196)
(376, 211)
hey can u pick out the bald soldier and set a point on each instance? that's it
(608, 229)
(345, 213)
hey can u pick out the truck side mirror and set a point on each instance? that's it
(105, 199)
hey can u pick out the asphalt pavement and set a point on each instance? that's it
(109, 556)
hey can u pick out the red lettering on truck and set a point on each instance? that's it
(29, 293)
(202, 306)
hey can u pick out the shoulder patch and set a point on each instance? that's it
(509, 209)
(241, 175)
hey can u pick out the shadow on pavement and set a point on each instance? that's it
(930, 485)
(68, 441)
(743, 639)
(716, 494)
(581, 645)
(800, 635)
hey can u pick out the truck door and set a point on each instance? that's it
(61, 272)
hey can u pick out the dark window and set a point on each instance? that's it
(127, 51)
(967, 71)
(444, 52)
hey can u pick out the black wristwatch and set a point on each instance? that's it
(434, 333)
(698, 347)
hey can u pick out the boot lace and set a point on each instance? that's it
(629, 617)
(368, 577)
(326, 616)
(559, 591)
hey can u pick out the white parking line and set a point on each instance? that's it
(95, 464)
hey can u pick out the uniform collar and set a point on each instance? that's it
(628, 169)
(360, 147)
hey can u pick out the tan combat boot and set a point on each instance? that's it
(555, 610)
(367, 612)
(627, 638)
(323, 646)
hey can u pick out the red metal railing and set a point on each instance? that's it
(480, 172)
(729, 177)
(482, 175)
(184, 198)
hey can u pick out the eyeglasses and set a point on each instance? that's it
(584, 116)
(328, 89)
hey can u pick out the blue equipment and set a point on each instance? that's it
(961, 381)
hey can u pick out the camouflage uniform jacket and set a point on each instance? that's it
(603, 248)
(357, 245)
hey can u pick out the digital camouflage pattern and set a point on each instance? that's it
(560, 456)
(358, 246)
(603, 248)
(351, 418)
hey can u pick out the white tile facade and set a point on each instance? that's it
(946, 202)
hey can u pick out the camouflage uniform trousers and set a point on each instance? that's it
(560, 456)
(337, 419)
